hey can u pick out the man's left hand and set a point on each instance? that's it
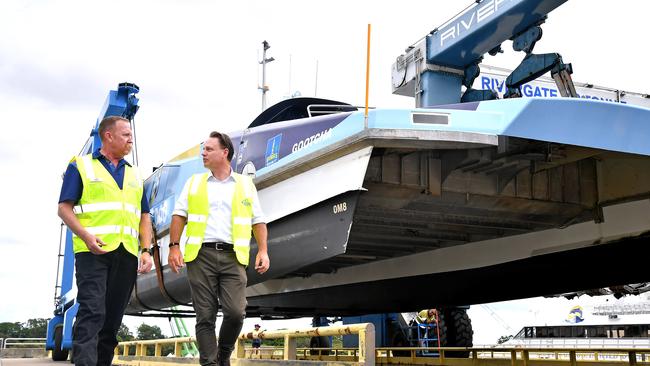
(146, 262)
(262, 262)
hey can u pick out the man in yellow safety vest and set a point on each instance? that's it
(220, 208)
(426, 316)
(103, 203)
(426, 319)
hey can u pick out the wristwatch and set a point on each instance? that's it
(145, 250)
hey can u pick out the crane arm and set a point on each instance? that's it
(121, 102)
(534, 66)
(434, 69)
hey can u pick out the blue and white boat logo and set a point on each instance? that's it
(575, 315)
(273, 149)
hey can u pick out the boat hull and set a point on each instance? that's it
(326, 227)
(438, 207)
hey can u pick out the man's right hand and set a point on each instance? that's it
(94, 244)
(175, 259)
(66, 213)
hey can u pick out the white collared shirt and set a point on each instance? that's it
(220, 193)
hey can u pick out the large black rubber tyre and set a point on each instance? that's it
(320, 342)
(57, 353)
(399, 340)
(459, 331)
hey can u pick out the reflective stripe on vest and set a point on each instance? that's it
(107, 206)
(106, 211)
(111, 229)
(198, 211)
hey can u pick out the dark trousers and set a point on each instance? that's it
(216, 277)
(104, 285)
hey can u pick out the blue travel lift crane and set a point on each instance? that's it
(433, 71)
(121, 102)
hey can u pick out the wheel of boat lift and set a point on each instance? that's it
(399, 340)
(59, 354)
(458, 332)
(319, 342)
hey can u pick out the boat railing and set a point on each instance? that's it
(23, 343)
(579, 342)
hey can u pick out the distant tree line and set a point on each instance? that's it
(144, 332)
(37, 328)
(33, 328)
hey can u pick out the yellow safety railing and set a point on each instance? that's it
(365, 352)
(497, 356)
(141, 347)
(135, 352)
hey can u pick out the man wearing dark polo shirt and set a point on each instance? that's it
(103, 203)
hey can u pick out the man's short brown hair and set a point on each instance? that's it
(108, 123)
(224, 141)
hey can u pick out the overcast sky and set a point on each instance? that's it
(196, 64)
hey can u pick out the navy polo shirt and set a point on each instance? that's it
(72, 187)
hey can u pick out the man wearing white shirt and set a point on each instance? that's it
(220, 208)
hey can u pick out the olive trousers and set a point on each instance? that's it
(217, 278)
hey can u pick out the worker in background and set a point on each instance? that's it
(220, 208)
(426, 316)
(257, 343)
(426, 319)
(103, 203)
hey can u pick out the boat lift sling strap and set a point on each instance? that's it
(155, 253)
(155, 249)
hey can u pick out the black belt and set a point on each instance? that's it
(218, 245)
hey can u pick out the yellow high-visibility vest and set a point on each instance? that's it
(198, 211)
(106, 211)
(423, 317)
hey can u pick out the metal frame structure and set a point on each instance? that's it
(434, 69)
